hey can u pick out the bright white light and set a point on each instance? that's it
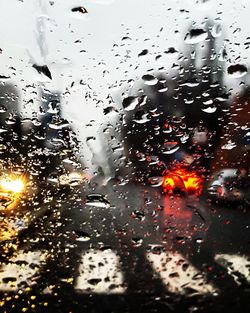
(15, 185)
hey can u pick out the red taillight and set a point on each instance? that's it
(182, 179)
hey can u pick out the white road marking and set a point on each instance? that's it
(178, 274)
(100, 273)
(20, 270)
(235, 263)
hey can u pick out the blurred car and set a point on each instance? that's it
(231, 180)
(230, 185)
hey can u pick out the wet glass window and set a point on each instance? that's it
(124, 156)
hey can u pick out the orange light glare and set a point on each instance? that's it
(183, 179)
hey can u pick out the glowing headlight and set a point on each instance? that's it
(12, 184)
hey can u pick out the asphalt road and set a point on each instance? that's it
(126, 248)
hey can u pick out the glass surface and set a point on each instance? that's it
(124, 156)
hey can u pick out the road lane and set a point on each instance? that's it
(135, 235)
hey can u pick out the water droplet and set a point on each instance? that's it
(126, 38)
(73, 179)
(97, 200)
(80, 10)
(184, 138)
(189, 100)
(216, 30)
(139, 215)
(237, 70)
(94, 281)
(163, 89)
(52, 108)
(110, 111)
(137, 242)
(198, 240)
(181, 239)
(190, 84)
(43, 69)
(4, 78)
(211, 109)
(195, 35)
(141, 117)
(3, 130)
(2, 109)
(143, 52)
(59, 125)
(155, 181)
(171, 50)
(170, 147)
(149, 80)
(2, 147)
(130, 103)
(167, 129)
(174, 275)
(142, 100)
(229, 146)
(81, 236)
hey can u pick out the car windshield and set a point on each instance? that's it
(124, 156)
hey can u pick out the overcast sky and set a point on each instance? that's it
(101, 47)
(105, 24)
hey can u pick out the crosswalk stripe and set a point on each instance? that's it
(235, 263)
(178, 275)
(100, 273)
(20, 270)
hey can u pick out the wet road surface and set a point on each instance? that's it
(126, 248)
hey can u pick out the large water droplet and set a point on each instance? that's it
(237, 70)
(155, 181)
(139, 215)
(137, 242)
(195, 35)
(143, 52)
(97, 200)
(81, 236)
(130, 103)
(80, 10)
(141, 117)
(3, 109)
(59, 125)
(43, 70)
(216, 30)
(170, 147)
(149, 80)
(4, 78)
(110, 111)
(171, 51)
(210, 109)
(229, 146)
